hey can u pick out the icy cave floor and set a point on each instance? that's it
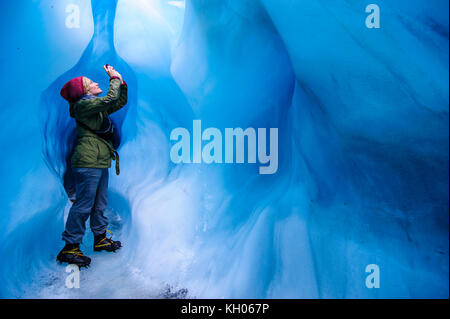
(109, 276)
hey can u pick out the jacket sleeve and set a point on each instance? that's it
(97, 105)
(122, 99)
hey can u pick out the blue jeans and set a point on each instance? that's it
(91, 186)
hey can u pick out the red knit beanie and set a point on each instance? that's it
(73, 90)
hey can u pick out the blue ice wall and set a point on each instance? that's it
(363, 148)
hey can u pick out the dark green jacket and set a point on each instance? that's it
(90, 150)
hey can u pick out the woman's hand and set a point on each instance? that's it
(111, 72)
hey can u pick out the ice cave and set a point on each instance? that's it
(362, 116)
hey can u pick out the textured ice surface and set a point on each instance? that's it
(363, 148)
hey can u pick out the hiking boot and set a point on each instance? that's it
(101, 242)
(72, 254)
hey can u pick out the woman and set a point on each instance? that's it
(90, 162)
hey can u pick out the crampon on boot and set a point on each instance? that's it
(72, 254)
(101, 242)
